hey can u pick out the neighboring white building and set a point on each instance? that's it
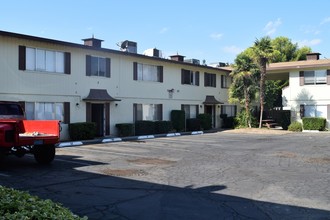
(85, 82)
(308, 93)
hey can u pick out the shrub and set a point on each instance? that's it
(205, 121)
(15, 204)
(240, 120)
(144, 127)
(314, 124)
(193, 124)
(178, 120)
(295, 126)
(125, 129)
(163, 127)
(228, 122)
(82, 130)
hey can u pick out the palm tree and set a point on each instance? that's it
(244, 83)
(262, 54)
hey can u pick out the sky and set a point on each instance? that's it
(210, 30)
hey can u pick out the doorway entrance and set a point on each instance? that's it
(210, 109)
(98, 117)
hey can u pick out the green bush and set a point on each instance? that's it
(228, 122)
(178, 120)
(144, 127)
(125, 129)
(295, 126)
(205, 121)
(163, 127)
(15, 204)
(82, 131)
(240, 120)
(314, 124)
(193, 124)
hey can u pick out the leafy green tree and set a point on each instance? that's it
(243, 87)
(262, 54)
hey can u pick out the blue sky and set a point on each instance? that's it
(211, 30)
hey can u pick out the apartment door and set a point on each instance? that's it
(98, 117)
(210, 109)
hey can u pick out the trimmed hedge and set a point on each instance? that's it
(163, 127)
(314, 124)
(144, 127)
(193, 124)
(178, 120)
(205, 121)
(16, 204)
(295, 126)
(125, 129)
(82, 131)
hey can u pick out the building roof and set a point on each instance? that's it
(296, 65)
(82, 46)
(99, 95)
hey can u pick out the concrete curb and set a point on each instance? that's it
(132, 138)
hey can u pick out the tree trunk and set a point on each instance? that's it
(263, 63)
(247, 110)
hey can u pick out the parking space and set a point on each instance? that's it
(210, 176)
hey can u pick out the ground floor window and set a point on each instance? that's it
(315, 111)
(229, 110)
(44, 110)
(191, 111)
(149, 112)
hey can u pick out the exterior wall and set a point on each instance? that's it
(31, 86)
(295, 95)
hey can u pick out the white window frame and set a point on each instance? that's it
(44, 110)
(96, 61)
(191, 111)
(149, 112)
(42, 60)
(146, 72)
(229, 110)
(312, 111)
(315, 77)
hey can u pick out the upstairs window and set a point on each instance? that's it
(146, 72)
(98, 66)
(210, 80)
(315, 77)
(150, 112)
(41, 60)
(225, 81)
(189, 77)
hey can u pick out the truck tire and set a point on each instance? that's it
(44, 154)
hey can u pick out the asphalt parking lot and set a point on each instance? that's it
(221, 175)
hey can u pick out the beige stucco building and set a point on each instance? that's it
(308, 93)
(85, 82)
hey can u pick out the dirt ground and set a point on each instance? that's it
(257, 131)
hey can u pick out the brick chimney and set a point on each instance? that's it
(92, 42)
(177, 58)
(313, 56)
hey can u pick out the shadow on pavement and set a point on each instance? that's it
(100, 196)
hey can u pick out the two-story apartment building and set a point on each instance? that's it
(308, 93)
(84, 82)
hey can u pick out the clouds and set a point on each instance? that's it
(325, 20)
(309, 43)
(271, 26)
(232, 49)
(216, 36)
(163, 30)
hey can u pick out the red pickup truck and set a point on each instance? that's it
(19, 136)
